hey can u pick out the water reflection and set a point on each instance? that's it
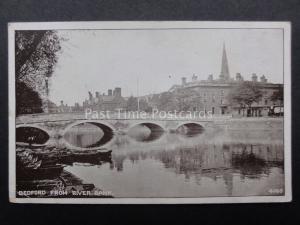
(248, 159)
(210, 164)
(146, 132)
(89, 135)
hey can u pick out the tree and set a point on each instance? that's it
(277, 95)
(144, 106)
(166, 102)
(35, 58)
(28, 101)
(132, 104)
(245, 94)
(187, 99)
(180, 100)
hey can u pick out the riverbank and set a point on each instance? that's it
(41, 174)
(249, 123)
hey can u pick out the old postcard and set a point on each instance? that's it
(149, 112)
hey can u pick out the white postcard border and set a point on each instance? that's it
(286, 26)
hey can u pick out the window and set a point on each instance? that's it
(222, 92)
(266, 101)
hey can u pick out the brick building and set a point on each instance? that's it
(111, 101)
(213, 92)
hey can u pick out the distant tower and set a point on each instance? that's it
(183, 81)
(117, 92)
(224, 68)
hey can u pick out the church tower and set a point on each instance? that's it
(224, 75)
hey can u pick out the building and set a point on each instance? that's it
(111, 101)
(213, 92)
(64, 108)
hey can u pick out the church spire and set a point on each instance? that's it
(224, 68)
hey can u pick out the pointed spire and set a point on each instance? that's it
(224, 68)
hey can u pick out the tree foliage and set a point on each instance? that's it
(277, 95)
(35, 58)
(36, 53)
(180, 100)
(166, 102)
(187, 99)
(28, 100)
(132, 104)
(245, 94)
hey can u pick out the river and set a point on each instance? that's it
(217, 162)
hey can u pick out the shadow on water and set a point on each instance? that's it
(190, 129)
(249, 164)
(31, 135)
(88, 159)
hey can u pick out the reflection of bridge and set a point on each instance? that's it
(56, 125)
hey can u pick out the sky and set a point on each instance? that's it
(151, 61)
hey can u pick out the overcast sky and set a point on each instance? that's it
(97, 60)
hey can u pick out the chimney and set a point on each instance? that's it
(117, 92)
(90, 96)
(109, 92)
(194, 78)
(254, 77)
(183, 80)
(263, 79)
(238, 77)
(210, 77)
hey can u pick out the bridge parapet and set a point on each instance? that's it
(55, 117)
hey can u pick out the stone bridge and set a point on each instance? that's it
(55, 126)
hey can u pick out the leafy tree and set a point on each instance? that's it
(277, 95)
(132, 104)
(144, 106)
(35, 58)
(187, 99)
(28, 101)
(245, 94)
(166, 102)
(180, 100)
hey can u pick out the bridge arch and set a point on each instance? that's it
(156, 130)
(105, 140)
(26, 133)
(190, 128)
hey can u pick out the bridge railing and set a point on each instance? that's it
(42, 117)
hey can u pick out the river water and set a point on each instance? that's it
(217, 162)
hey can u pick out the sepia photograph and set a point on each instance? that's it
(149, 112)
